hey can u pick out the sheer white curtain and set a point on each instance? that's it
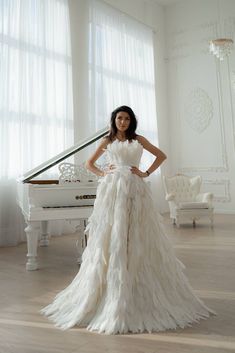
(36, 114)
(121, 69)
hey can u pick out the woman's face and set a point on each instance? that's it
(122, 121)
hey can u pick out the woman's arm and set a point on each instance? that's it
(160, 157)
(90, 163)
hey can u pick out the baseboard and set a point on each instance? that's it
(224, 211)
(215, 212)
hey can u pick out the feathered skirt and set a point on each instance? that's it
(130, 279)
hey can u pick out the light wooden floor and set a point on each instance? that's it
(209, 256)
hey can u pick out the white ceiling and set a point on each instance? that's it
(166, 2)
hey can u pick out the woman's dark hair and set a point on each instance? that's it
(130, 132)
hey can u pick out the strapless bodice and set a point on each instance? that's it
(124, 153)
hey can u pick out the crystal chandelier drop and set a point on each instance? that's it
(221, 47)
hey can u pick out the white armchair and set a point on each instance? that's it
(185, 200)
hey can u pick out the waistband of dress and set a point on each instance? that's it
(120, 168)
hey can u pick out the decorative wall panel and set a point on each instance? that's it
(220, 188)
(199, 104)
(202, 97)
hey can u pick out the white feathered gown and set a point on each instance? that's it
(129, 280)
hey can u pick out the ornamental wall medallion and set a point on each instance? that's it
(198, 110)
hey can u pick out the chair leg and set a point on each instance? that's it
(177, 223)
(194, 223)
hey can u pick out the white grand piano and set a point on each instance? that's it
(71, 197)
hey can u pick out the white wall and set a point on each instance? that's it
(201, 96)
(150, 14)
(195, 93)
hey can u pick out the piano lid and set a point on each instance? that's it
(63, 155)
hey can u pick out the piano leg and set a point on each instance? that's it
(32, 232)
(44, 241)
(82, 239)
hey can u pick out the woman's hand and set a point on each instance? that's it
(135, 170)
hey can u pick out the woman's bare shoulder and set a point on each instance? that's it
(141, 139)
(104, 141)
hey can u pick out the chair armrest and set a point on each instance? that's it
(170, 197)
(205, 197)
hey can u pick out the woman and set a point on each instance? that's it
(130, 279)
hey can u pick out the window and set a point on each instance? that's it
(121, 68)
(36, 114)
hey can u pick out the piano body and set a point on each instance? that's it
(69, 198)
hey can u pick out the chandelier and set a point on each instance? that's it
(221, 47)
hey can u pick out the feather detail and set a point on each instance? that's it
(130, 279)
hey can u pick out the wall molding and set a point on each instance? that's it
(201, 169)
(224, 167)
(188, 46)
(222, 182)
(231, 76)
